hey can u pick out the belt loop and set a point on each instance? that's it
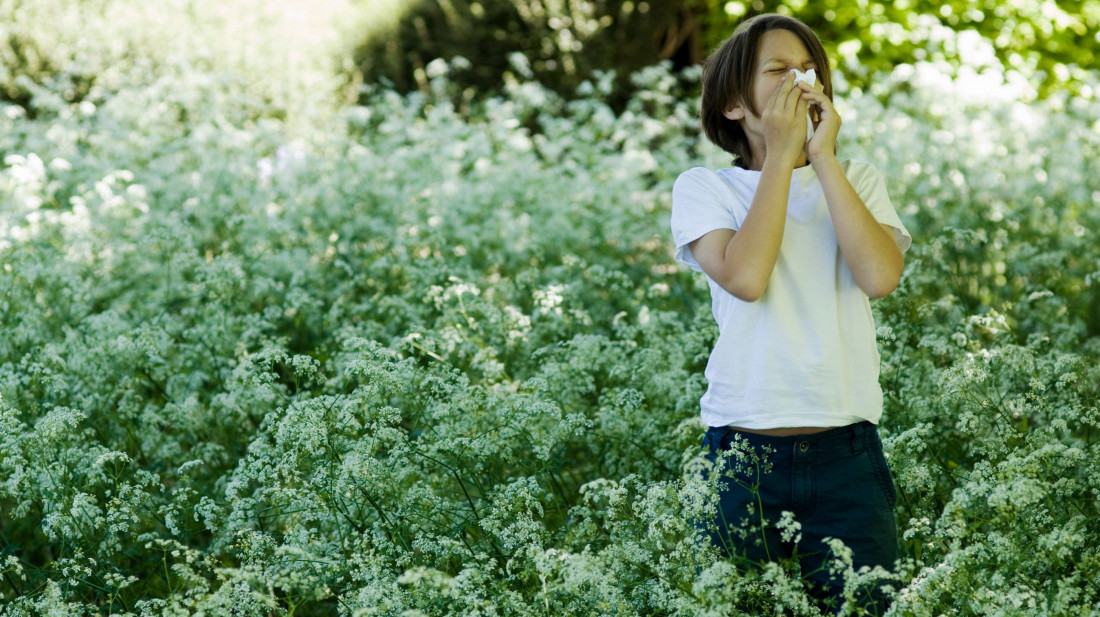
(857, 438)
(725, 438)
(714, 437)
(714, 440)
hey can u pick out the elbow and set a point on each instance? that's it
(745, 290)
(883, 280)
(882, 286)
(749, 295)
(881, 290)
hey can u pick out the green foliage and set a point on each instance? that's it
(424, 359)
(564, 42)
(1053, 45)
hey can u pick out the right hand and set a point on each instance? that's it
(784, 121)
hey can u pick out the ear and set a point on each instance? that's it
(734, 113)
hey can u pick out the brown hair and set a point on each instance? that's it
(730, 72)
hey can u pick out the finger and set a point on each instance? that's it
(783, 91)
(793, 89)
(816, 98)
(815, 89)
(802, 107)
(810, 99)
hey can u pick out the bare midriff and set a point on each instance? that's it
(785, 431)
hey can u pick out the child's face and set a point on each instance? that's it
(777, 53)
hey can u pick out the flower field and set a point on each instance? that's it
(266, 351)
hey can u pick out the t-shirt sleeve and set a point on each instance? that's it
(871, 187)
(699, 206)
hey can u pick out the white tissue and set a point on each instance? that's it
(809, 77)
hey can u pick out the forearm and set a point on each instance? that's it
(870, 252)
(752, 252)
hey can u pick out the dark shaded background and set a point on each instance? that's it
(565, 41)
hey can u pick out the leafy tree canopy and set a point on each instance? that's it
(1053, 45)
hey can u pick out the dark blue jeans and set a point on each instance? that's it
(836, 484)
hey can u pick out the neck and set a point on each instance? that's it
(757, 162)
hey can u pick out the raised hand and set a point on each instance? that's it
(827, 126)
(784, 120)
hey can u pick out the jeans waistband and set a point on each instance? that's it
(840, 441)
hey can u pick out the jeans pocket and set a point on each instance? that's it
(882, 472)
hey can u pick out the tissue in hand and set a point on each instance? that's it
(809, 77)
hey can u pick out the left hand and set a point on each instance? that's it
(827, 127)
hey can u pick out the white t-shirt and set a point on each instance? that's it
(804, 354)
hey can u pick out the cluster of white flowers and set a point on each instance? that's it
(425, 360)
